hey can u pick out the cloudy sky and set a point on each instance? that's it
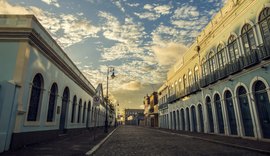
(141, 39)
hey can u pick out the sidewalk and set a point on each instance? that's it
(65, 145)
(238, 142)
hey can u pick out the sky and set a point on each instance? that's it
(141, 39)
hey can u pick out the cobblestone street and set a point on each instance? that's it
(132, 140)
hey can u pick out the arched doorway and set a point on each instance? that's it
(65, 100)
(231, 112)
(174, 120)
(219, 113)
(194, 119)
(263, 107)
(188, 119)
(183, 119)
(245, 111)
(200, 111)
(178, 120)
(210, 114)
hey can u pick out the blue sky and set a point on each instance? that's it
(142, 39)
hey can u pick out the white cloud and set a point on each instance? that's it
(163, 9)
(147, 15)
(118, 4)
(51, 2)
(73, 28)
(132, 85)
(186, 12)
(133, 4)
(154, 11)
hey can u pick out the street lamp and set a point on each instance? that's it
(109, 70)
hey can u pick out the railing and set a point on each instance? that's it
(263, 52)
(163, 106)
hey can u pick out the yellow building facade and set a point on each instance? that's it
(221, 85)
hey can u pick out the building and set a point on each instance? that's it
(42, 93)
(134, 116)
(146, 103)
(151, 110)
(222, 86)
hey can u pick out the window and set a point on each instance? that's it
(221, 56)
(204, 67)
(84, 109)
(245, 111)
(184, 81)
(79, 111)
(35, 98)
(196, 73)
(212, 62)
(210, 114)
(233, 49)
(231, 112)
(219, 113)
(74, 103)
(180, 84)
(52, 102)
(190, 78)
(248, 39)
(264, 21)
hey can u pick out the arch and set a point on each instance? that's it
(196, 73)
(248, 39)
(233, 50)
(210, 114)
(263, 107)
(178, 119)
(182, 113)
(188, 119)
(73, 111)
(204, 66)
(184, 81)
(245, 111)
(65, 100)
(88, 114)
(79, 111)
(264, 19)
(84, 110)
(190, 77)
(229, 105)
(212, 62)
(219, 113)
(52, 102)
(200, 114)
(174, 121)
(194, 118)
(35, 98)
(221, 56)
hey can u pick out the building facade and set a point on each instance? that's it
(222, 86)
(134, 117)
(42, 92)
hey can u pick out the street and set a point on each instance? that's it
(133, 140)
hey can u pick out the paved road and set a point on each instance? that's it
(132, 140)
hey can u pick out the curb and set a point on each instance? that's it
(218, 142)
(96, 147)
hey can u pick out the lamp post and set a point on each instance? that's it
(110, 69)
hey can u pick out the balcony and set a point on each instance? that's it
(163, 106)
(251, 59)
(263, 52)
(172, 98)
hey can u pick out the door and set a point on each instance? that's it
(65, 100)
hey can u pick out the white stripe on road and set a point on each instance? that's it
(99, 144)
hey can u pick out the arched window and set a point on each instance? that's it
(52, 102)
(88, 114)
(184, 82)
(210, 114)
(263, 107)
(204, 67)
(180, 85)
(221, 56)
(74, 103)
(231, 112)
(219, 113)
(35, 98)
(65, 101)
(188, 119)
(245, 111)
(233, 49)
(190, 77)
(194, 119)
(196, 74)
(183, 119)
(212, 62)
(200, 111)
(178, 119)
(79, 111)
(176, 87)
(248, 39)
(84, 110)
(264, 21)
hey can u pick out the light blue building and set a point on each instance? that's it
(42, 92)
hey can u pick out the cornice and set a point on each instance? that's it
(30, 35)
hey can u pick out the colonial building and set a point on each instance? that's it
(134, 117)
(42, 92)
(222, 85)
(151, 110)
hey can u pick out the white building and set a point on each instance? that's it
(222, 86)
(42, 92)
